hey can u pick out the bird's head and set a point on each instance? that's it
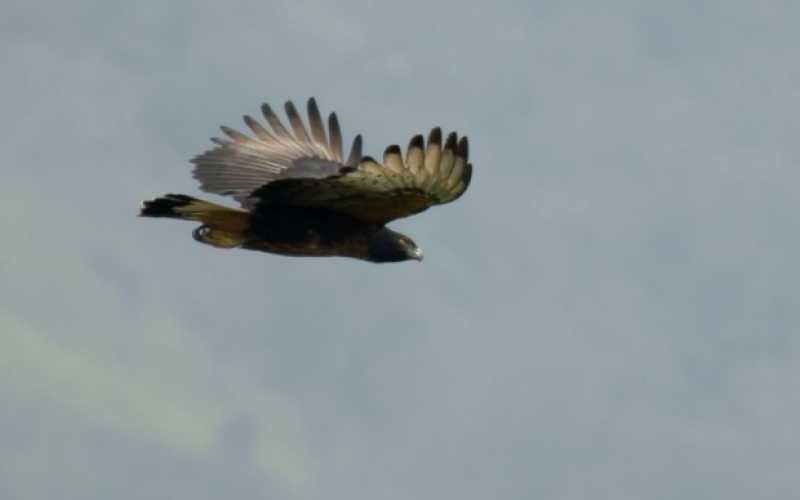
(390, 246)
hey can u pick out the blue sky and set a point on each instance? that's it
(609, 312)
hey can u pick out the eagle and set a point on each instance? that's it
(300, 195)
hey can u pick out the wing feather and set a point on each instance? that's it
(260, 132)
(393, 160)
(235, 135)
(355, 152)
(457, 173)
(241, 164)
(275, 122)
(336, 136)
(296, 122)
(315, 122)
(446, 162)
(304, 167)
(415, 155)
(433, 155)
(380, 192)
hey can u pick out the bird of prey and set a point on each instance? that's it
(300, 196)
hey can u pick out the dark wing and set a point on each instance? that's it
(429, 175)
(241, 164)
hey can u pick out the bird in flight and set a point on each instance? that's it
(300, 196)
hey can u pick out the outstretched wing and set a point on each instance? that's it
(429, 175)
(240, 165)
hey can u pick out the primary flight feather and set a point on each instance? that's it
(301, 197)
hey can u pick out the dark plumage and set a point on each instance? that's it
(300, 196)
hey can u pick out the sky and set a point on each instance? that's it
(609, 312)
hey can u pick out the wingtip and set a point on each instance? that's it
(315, 122)
(311, 106)
(260, 132)
(251, 122)
(435, 137)
(416, 142)
(334, 129)
(452, 138)
(463, 148)
(355, 156)
(289, 107)
(394, 149)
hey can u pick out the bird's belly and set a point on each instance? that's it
(312, 245)
(307, 232)
(298, 249)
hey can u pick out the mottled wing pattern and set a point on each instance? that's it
(429, 175)
(240, 164)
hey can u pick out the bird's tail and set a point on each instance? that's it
(222, 226)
